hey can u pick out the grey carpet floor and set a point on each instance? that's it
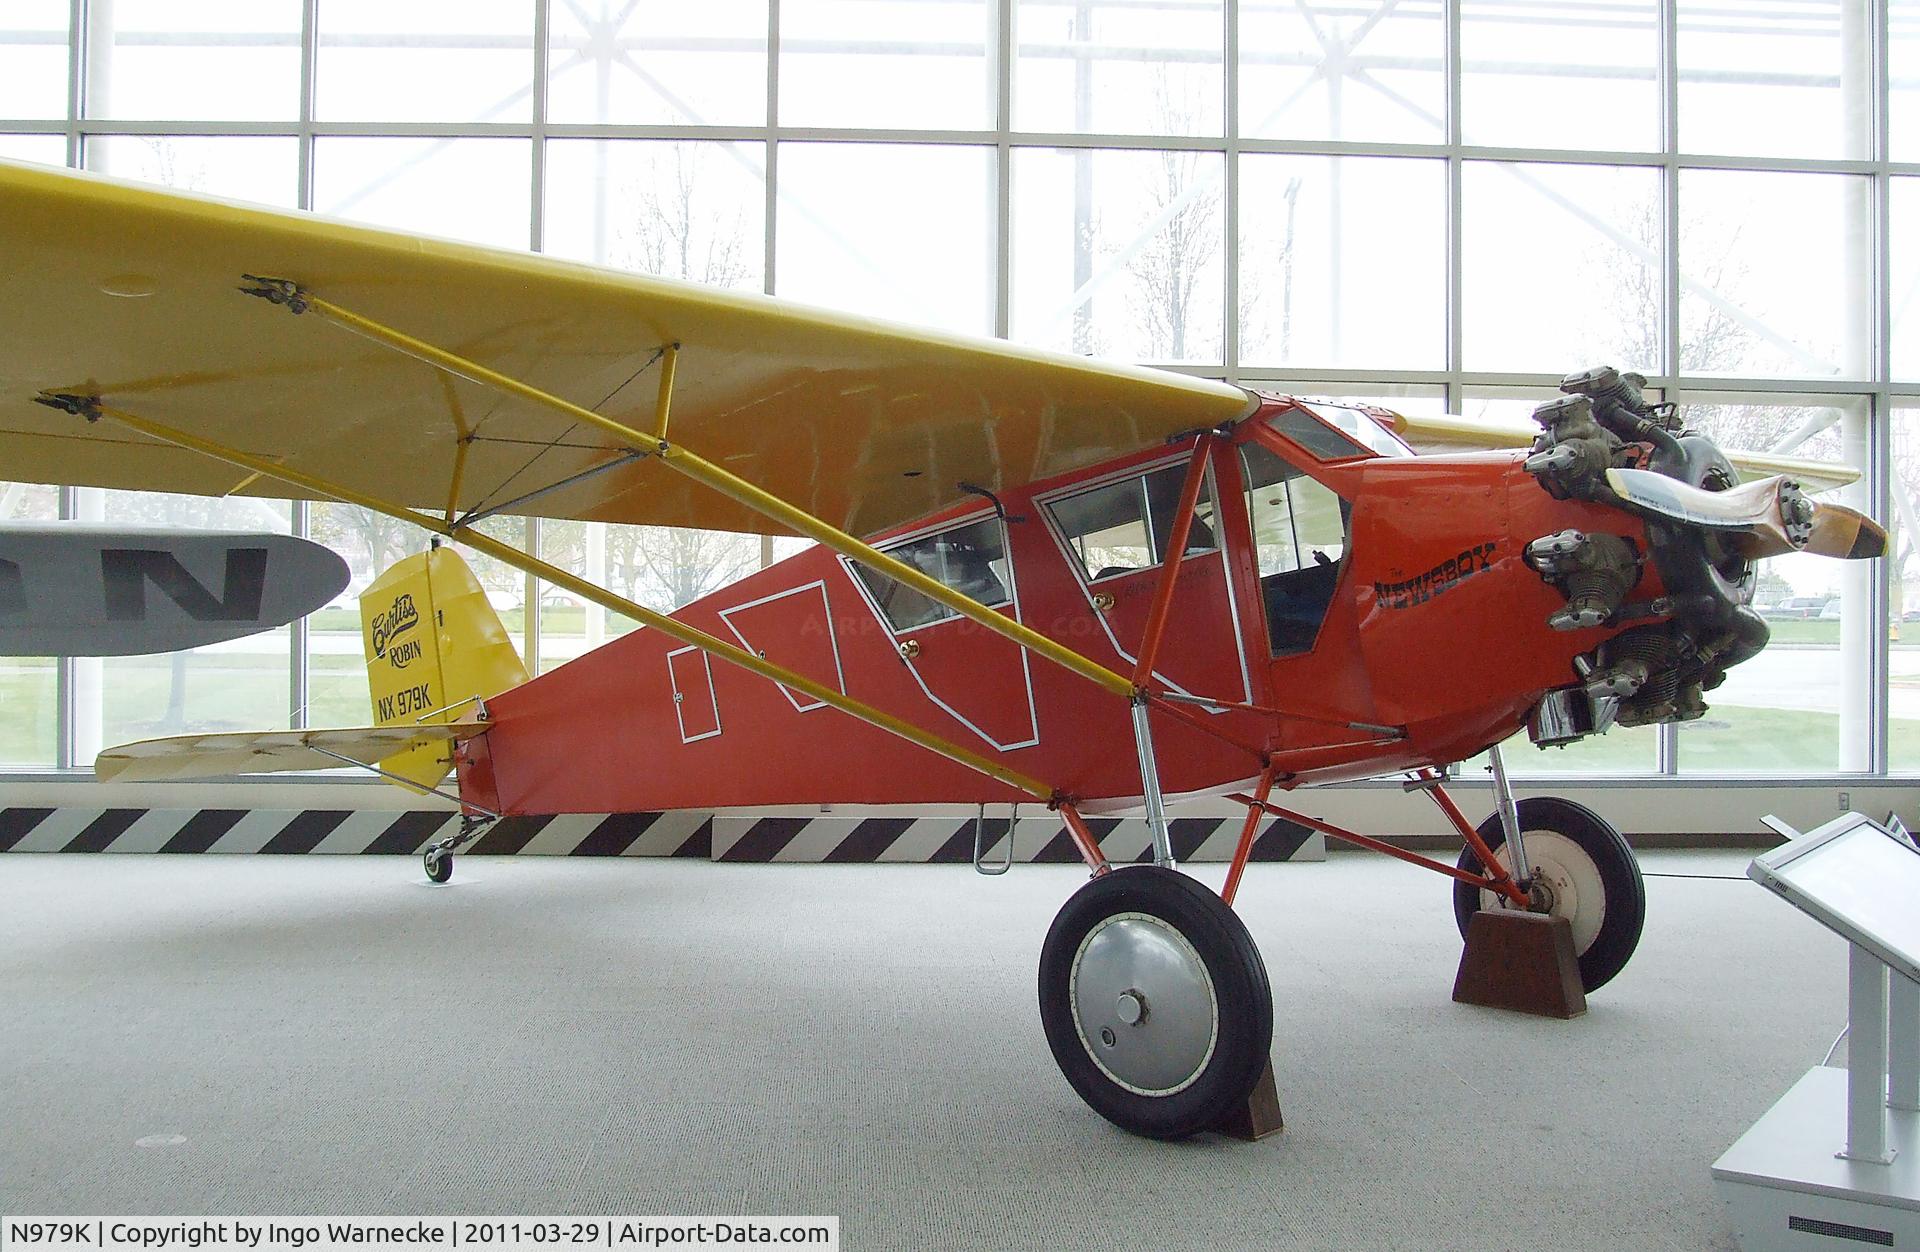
(333, 1035)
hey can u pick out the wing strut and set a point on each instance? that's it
(408, 783)
(93, 410)
(298, 300)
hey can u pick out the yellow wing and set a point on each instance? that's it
(268, 751)
(1454, 433)
(132, 294)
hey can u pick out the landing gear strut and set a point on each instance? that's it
(437, 858)
(1155, 1002)
(1576, 866)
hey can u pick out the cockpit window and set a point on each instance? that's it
(1339, 433)
(1127, 526)
(971, 559)
(1300, 536)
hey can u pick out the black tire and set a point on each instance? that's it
(439, 868)
(1242, 1034)
(1623, 902)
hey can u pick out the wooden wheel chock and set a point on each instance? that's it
(1523, 962)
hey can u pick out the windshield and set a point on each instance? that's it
(1353, 433)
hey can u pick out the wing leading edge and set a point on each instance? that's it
(133, 295)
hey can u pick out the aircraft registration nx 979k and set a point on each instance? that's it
(1039, 579)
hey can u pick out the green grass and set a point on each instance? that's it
(1744, 740)
(28, 712)
(1616, 752)
(1730, 739)
(1799, 631)
(335, 621)
(1803, 631)
(223, 692)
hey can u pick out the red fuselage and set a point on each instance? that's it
(1335, 589)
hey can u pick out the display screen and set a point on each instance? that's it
(1862, 883)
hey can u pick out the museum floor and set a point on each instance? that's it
(331, 1034)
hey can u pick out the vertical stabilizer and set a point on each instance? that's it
(433, 646)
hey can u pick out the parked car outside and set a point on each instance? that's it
(1802, 608)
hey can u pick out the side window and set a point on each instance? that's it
(1300, 536)
(971, 559)
(1126, 526)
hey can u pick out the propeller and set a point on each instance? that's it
(1767, 517)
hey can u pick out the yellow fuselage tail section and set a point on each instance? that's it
(433, 645)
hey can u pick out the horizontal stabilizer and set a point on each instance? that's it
(268, 751)
(85, 589)
(1456, 434)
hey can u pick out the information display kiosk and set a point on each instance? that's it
(1836, 1162)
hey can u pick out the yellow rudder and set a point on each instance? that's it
(433, 646)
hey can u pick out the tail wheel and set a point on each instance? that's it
(1155, 1002)
(1585, 873)
(438, 864)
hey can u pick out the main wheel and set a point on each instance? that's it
(439, 865)
(1155, 1002)
(1584, 872)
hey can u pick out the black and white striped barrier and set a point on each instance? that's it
(344, 830)
(1040, 838)
(722, 837)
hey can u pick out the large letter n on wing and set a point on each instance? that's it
(124, 572)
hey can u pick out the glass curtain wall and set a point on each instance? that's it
(1439, 205)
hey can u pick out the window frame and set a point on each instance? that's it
(1291, 444)
(1139, 473)
(1277, 446)
(859, 573)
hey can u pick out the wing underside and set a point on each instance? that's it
(133, 295)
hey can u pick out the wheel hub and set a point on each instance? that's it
(1144, 1004)
(1566, 883)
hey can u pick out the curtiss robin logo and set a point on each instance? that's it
(399, 618)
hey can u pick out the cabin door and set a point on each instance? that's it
(1114, 534)
(979, 678)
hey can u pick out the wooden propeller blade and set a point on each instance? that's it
(1846, 533)
(1769, 517)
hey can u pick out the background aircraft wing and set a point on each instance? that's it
(1449, 432)
(133, 294)
(81, 589)
(268, 751)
